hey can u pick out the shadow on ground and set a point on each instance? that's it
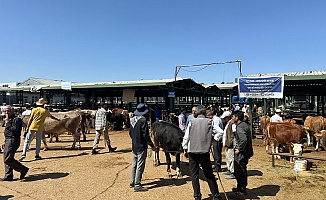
(6, 197)
(53, 175)
(54, 157)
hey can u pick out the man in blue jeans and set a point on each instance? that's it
(139, 133)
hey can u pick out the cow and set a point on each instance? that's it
(118, 118)
(320, 139)
(285, 134)
(264, 120)
(168, 137)
(313, 125)
(69, 122)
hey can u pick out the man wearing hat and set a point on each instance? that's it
(139, 133)
(276, 117)
(35, 125)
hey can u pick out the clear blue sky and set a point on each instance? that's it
(111, 40)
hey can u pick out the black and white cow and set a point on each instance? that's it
(168, 137)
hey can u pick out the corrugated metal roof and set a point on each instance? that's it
(310, 73)
(40, 81)
(57, 84)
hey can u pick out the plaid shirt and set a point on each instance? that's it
(100, 119)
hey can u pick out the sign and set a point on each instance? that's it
(128, 95)
(66, 85)
(261, 87)
(171, 94)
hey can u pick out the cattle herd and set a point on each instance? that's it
(289, 134)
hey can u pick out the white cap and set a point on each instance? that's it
(278, 111)
(226, 114)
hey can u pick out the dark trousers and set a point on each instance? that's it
(11, 146)
(204, 161)
(217, 148)
(240, 173)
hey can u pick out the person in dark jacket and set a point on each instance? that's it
(139, 133)
(242, 152)
(13, 127)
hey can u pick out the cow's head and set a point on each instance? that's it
(297, 149)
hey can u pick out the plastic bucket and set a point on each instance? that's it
(300, 165)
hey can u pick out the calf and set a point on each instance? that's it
(321, 139)
(168, 137)
(313, 125)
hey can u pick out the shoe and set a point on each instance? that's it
(6, 179)
(140, 189)
(230, 177)
(23, 174)
(131, 185)
(198, 198)
(240, 194)
(111, 149)
(216, 196)
(38, 158)
(227, 173)
(244, 192)
(94, 151)
(22, 157)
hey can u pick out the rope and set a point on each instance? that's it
(218, 175)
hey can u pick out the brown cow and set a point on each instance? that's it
(69, 122)
(321, 139)
(264, 120)
(285, 134)
(313, 125)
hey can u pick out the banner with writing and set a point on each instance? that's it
(261, 87)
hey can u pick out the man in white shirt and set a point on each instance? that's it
(276, 117)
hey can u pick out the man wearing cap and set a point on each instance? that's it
(35, 125)
(139, 133)
(228, 144)
(101, 127)
(276, 117)
(12, 132)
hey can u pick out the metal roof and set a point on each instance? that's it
(57, 84)
(311, 75)
(40, 81)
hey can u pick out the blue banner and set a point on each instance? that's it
(261, 87)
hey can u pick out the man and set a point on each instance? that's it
(35, 125)
(217, 143)
(182, 120)
(101, 127)
(242, 152)
(190, 117)
(196, 144)
(139, 134)
(13, 126)
(277, 116)
(228, 144)
(27, 112)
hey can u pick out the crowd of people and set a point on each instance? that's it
(204, 132)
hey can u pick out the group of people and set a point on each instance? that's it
(226, 129)
(202, 130)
